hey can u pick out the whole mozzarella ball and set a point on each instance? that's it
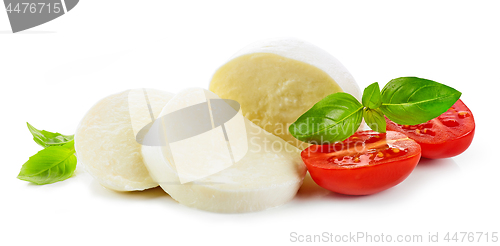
(278, 80)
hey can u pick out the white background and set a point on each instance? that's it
(52, 74)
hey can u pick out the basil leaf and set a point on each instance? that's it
(371, 96)
(334, 118)
(50, 165)
(46, 138)
(412, 100)
(374, 118)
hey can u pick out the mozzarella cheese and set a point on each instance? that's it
(277, 80)
(268, 175)
(105, 140)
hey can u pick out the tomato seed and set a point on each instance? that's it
(429, 132)
(450, 122)
(463, 114)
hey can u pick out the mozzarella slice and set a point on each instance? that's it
(277, 80)
(105, 140)
(268, 175)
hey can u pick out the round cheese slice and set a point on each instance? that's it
(277, 80)
(261, 170)
(105, 140)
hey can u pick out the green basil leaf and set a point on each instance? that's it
(50, 165)
(374, 118)
(334, 118)
(47, 139)
(412, 100)
(371, 96)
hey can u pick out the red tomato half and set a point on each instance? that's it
(367, 162)
(448, 135)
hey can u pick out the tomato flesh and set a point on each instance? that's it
(365, 163)
(448, 135)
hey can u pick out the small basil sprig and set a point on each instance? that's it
(47, 139)
(405, 100)
(56, 162)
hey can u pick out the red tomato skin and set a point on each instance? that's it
(449, 148)
(365, 180)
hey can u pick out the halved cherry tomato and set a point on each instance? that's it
(365, 163)
(448, 135)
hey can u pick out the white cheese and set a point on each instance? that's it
(268, 175)
(277, 80)
(105, 140)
